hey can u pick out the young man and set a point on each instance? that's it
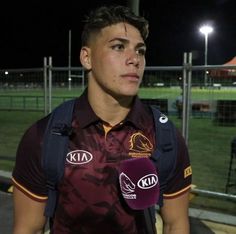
(106, 118)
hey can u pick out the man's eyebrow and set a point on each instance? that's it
(141, 44)
(125, 41)
(119, 39)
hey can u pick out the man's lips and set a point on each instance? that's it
(133, 76)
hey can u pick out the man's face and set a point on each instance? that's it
(117, 60)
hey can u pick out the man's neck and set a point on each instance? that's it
(109, 109)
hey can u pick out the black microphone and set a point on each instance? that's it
(139, 183)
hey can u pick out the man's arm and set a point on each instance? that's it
(28, 214)
(175, 215)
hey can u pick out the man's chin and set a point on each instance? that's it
(130, 92)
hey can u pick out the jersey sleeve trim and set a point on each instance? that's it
(180, 192)
(28, 193)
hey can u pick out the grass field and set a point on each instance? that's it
(209, 143)
(154, 92)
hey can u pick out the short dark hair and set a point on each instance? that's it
(108, 15)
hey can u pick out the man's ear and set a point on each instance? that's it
(85, 58)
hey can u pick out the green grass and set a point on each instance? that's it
(196, 93)
(13, 125)
(209, 148)
(7, 165)
(153, 92)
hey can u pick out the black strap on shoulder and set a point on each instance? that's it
(164, 159)
(54, 149)
(164, 156)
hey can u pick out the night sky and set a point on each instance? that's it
(31, 30)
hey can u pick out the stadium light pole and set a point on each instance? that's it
(206, 30)
(134, 5)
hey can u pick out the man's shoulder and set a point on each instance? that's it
(37, 128)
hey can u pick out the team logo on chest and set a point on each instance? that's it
(140, 145)
(79, 157)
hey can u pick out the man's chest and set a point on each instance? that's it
(93, 160)
(90, 189)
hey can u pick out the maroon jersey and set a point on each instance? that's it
(90, 200)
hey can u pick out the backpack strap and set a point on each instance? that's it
(150, 220)
(164, 159)
(54, 149)
(164, 156)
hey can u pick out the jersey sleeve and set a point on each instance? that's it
(182, 176)
(28, 174)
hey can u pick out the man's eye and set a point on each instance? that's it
(118, 47)
(141, 51)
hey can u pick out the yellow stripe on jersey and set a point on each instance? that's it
(177, 193)
(28, 192)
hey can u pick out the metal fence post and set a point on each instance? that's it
(188, 96)
(187, 79)
(69, 61)
(50, 85)
(45, 86)
(184, 95)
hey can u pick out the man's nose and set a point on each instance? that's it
(133, 58)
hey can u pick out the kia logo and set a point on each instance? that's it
(148, 181)
(79, 157)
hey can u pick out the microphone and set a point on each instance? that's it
(139, 183)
